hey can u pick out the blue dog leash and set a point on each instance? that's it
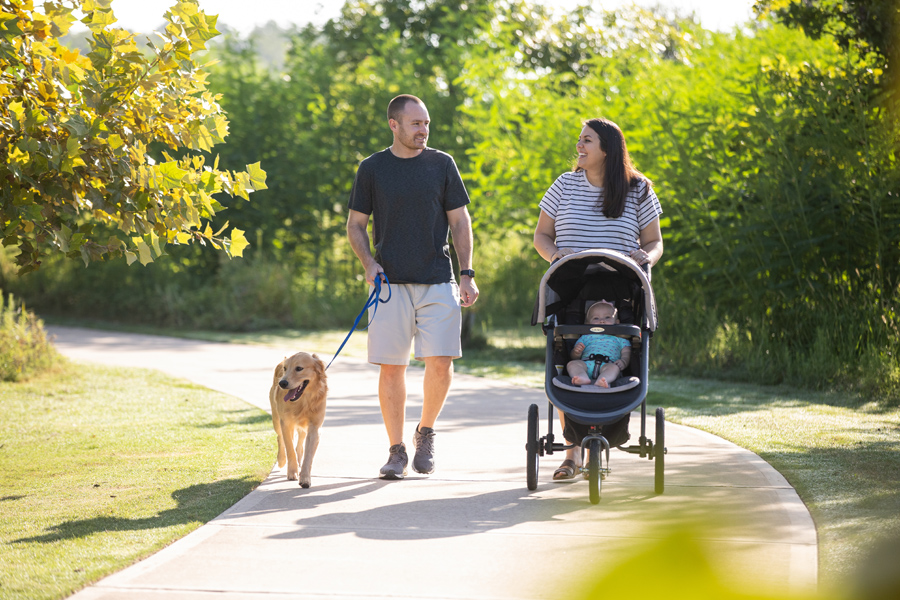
(374, 299)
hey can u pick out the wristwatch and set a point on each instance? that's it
(469, 272)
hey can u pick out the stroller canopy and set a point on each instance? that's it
(562, 281)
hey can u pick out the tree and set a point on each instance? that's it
(102, 155)
(866, 25)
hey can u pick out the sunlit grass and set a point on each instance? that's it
(100, 467)
(840, 453)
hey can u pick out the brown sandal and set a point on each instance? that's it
(565, 471)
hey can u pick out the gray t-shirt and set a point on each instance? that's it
(409, 199)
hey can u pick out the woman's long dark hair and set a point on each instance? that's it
(620, 175)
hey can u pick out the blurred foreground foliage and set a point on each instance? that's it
(774, 154)
(684, 564)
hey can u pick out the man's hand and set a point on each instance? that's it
(373, 271)
(468, 291)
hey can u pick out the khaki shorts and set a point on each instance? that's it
(428, 314)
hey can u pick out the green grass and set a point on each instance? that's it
(100, 467)
(841, 453)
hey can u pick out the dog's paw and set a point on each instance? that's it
(304, 484)
(293, 476)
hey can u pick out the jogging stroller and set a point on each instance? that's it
(596, 419)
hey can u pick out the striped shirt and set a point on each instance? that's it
(572, 202)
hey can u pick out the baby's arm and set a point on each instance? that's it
(577, 350)
(625, 359)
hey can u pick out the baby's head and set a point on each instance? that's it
(601, 313)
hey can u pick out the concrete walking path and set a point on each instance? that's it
(472, 529)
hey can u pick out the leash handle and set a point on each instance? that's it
(374, 300)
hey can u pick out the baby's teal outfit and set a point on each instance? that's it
(609, 346)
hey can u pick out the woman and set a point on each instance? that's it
(604, 202)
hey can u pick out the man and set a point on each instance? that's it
(415, 196)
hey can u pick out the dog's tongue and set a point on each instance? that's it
(296, 392)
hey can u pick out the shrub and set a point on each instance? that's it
(24, 347)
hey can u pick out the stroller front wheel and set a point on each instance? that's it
(532, 446)
(594, 470)
(659, 451)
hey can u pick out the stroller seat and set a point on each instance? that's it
(619, 385)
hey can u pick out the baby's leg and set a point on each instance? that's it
(609, 372)
(578, 371)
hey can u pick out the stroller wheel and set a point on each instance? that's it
(594, 470)
(532, 446)
(659, 451)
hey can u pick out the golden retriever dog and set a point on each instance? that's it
(297, 397)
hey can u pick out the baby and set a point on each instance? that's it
(611, 353)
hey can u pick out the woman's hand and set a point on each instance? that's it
(561, 253)
(640, 256)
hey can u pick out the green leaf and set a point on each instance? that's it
(168, 175)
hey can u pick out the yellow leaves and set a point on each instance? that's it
(106, 110)
(143, 251)
(61, 19)
(91, 5)
(5, 17)
(68, 56)
(207, 205)
(99, 19)
(241, 185)
(238, 243)
(17, 110)
(167, 175)
(218, 127)
(257, 177)
(203, 139)
(73, 155)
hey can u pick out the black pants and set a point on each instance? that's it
(616, 433)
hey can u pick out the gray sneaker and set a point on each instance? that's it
(396, 464)
(423, 461)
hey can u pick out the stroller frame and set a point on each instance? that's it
(599, 267)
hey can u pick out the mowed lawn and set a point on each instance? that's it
(100, 467)
(103, 466)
